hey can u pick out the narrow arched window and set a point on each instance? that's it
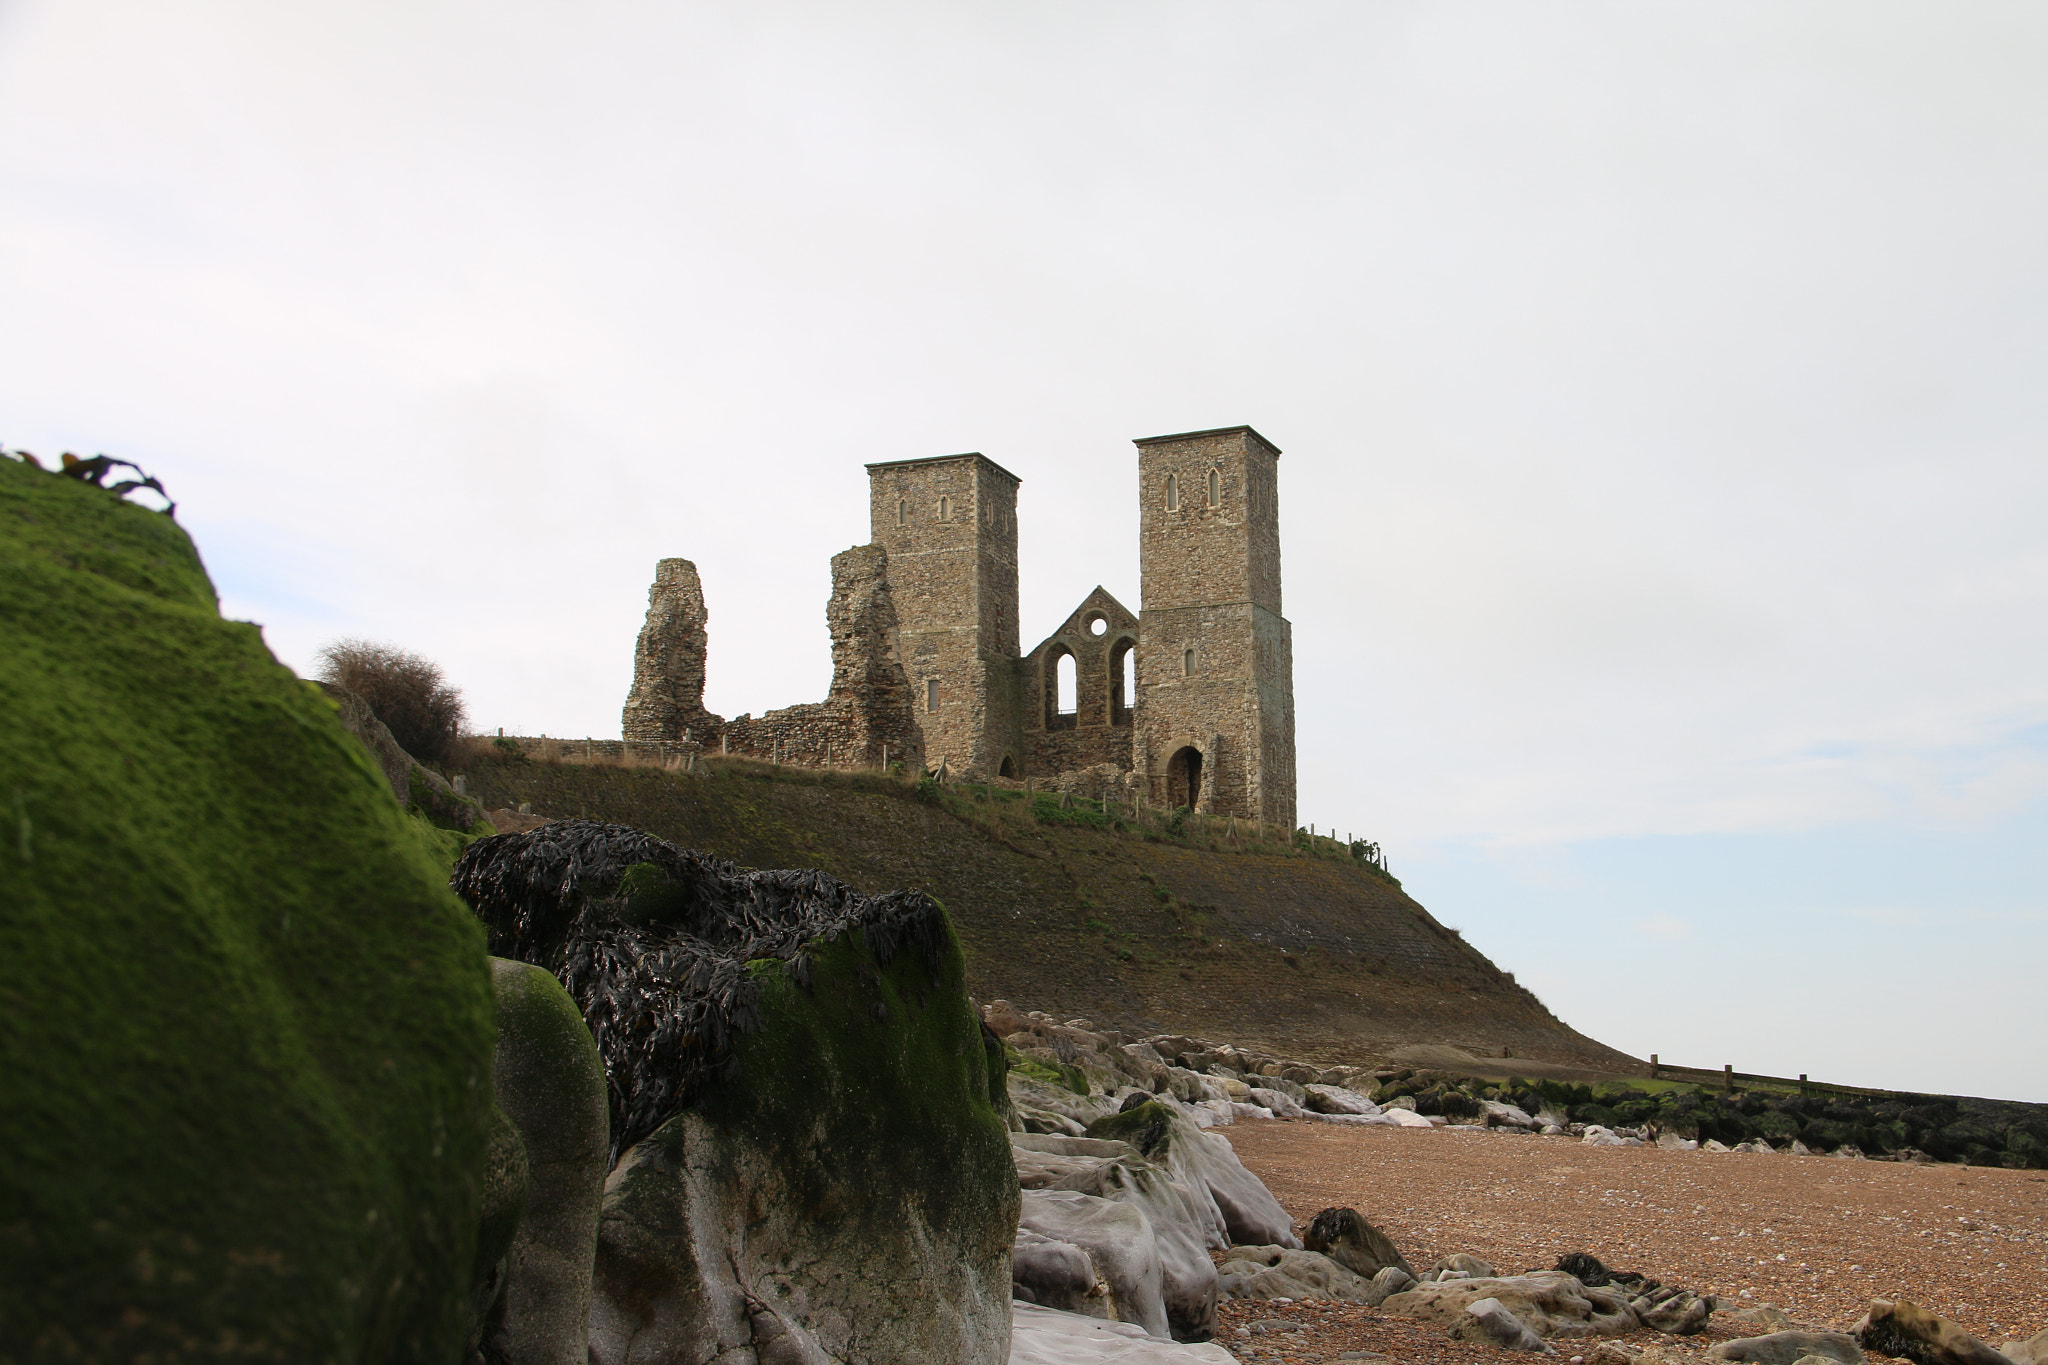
(1187, 664)
(902, 512)
(931, 694)
(945, 509)
(1172, 493)
(1215, 489)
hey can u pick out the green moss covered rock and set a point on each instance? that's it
(245, 1031)
(848, 1196)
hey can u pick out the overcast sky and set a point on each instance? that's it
(1661, 387)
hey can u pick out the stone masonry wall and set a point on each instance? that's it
(950, 528)
(667, 700)
(1099, 729)
(1211, 636)
(868, 711)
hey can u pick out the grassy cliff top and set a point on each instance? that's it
(1306, 952)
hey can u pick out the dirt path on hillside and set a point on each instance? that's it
(1817, 1236)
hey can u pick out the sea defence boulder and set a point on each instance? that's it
(812, 1165)
(245, 1074)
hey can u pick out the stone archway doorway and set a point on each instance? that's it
(1009, 768)
(1184, 777)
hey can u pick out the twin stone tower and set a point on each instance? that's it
(1189, 702)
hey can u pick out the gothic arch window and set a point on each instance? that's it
(1060, 689)
(1123, 680)
(1172, 493)
(945, 508)
(1215, 489)
(902, 512)
(1187, 663)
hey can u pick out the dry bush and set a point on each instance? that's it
(423, 712)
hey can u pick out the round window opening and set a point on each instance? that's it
(1098, 625)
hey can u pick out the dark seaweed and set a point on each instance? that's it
(652, 942)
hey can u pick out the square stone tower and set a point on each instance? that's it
(1215, 713)
(949, 526)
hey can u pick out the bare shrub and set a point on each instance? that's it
(423, 712)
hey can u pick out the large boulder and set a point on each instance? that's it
(1901, 1328)
(1549, 1303)
(1787, 1348)
(550, 1084)
(1117, 1241)
(1044, 1336)
(1348, 1239)
(1177, 1225)
(813, 1164)
(245, 1080)
(1246, 1213)
(1283, 1273)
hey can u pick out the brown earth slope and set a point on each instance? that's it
(1308, 954)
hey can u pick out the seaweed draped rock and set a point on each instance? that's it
(811, 1161)
(245, 1030)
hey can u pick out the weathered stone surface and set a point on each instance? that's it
(1273, 1272)
(1490, 1322)
(1901, 1328)
(245, 1064)
(2032, 1351)
(1465, 1263)
(1347, 1238)
(871, 708)
(1043, 1336)
(1335, 1099)
(1787, 1348)
(1179, 1222)
(1549, 1302)
(667, 700)
(550, 1083)
(847, 1195)
(1249, 1214)
(1118, 1239)
(1281, 1104)
(1054, 1274)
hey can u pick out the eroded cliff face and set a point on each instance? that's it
(1302, 955)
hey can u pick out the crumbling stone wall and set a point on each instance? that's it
(1098, 730)
(868, 711)
(925, 663)
(667, 700)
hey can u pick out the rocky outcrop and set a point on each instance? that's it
(1273, 1272)
(550, 1084)
(813, 1163)
(1044, 1336)
(1348, 1239)
(1899, 1328)
(245, 1075)
(1549, 1303)
(1787, 1348)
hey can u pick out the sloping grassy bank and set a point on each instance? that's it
(1141, 927)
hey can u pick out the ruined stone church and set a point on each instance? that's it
(1187, 702)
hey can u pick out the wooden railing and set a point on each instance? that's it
(1727, 1076)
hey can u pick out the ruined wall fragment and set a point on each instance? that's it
(668, 663)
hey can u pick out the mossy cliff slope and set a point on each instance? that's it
(1146, 931)
(245, 1030)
